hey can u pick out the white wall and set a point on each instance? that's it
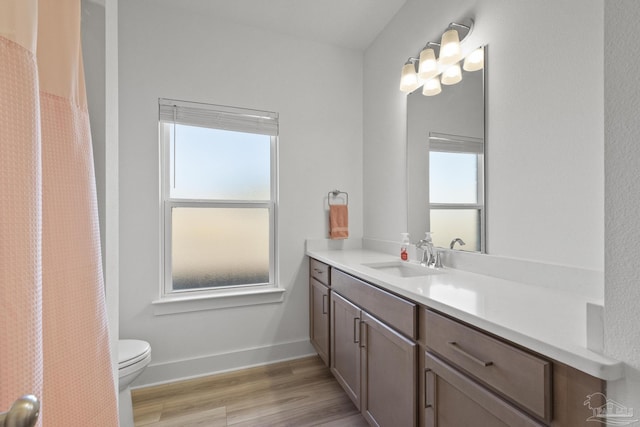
(622, 189)
(545, 177)
(111, 198)
(169, 50)
(100, 57)
(93, 55)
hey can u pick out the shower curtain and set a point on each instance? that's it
(53, 329)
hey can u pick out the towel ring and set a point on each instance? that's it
(336, 193)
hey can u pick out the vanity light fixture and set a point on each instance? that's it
(475, 60)
(409, 80)
(445, 69)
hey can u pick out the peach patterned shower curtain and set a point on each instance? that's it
(53, 327)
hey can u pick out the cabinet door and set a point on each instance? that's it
(319, 318)
(345, 346)
(451, 399)
(388, 375)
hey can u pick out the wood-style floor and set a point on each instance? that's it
(301, 392)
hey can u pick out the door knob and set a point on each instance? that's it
(23, 413)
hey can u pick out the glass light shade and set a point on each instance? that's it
(474, 61)
(452, 75)
(450, 51)
(409, 79)
(432, 87)
(428, 67)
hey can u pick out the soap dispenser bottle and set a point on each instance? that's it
(404, 247)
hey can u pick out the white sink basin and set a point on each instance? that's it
(402, 269)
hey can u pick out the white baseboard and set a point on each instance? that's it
(178, 370)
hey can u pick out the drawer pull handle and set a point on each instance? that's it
(454, 345)
(428, 403)
(356, 325)
(318, 271)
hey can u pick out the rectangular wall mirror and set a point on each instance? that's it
(446, 164)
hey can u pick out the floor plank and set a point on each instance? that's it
(300, 392)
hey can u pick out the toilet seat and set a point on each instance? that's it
(133, 357)
(131, 352)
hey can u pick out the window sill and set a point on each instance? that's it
(221, 299)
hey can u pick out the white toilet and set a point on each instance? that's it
(133, 357)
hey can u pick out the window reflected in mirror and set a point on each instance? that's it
(453, 177)
(456, 175)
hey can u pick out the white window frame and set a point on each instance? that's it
(442, 142)
(173, 301)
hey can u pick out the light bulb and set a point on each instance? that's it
(450, 51)
(452, 75)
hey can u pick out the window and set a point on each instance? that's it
(218, 197)
(456, 199)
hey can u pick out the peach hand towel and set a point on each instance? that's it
(338, 221)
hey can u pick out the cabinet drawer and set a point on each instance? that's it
(451, 398)
(519, 376)
(395, 311)
(319, 271)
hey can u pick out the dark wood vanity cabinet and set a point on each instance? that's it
(404, 365)
(452, 399)
(319, 306)
(470, 378)
(345, 346)
(523, 378)
(374, 363)
(388, 375)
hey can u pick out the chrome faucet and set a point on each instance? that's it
(456, 240)
(428, 258)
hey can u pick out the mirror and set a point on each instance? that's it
(445, 163)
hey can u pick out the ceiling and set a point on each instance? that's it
(351, 24)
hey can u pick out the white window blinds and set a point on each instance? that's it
(455, 143)
(218, 117)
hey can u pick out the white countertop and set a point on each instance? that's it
(548, 321)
